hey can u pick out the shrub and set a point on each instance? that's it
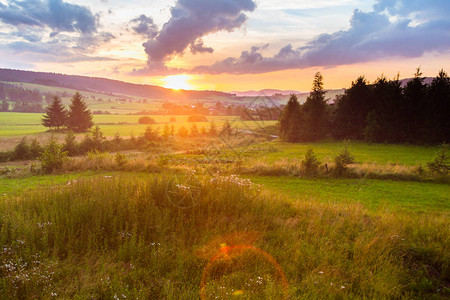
(21, 151)
(310, 164)
(70, 144)
(197, 118)
(53, 157)
(146, 120)
(343, 160)
(183, 132)
(172, 119)
(121, 160)
(151, 134)
(440, 165)
(35, 149)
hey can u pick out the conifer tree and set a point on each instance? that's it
(314, 111)
(290, 122)
(80, 117)
(55, 115)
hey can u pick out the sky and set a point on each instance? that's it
(227, 45)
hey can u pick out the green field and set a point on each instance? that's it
(363, 152)
(384, 195)
(22, 124)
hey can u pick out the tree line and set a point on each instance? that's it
(78, 118)
(383, 111)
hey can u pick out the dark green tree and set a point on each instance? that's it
(413, 115)
(80, 117)
(55, 115)
(290, 122)
(437, 124)
(314, 111)
(352, 109)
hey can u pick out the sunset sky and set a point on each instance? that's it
(228, 45)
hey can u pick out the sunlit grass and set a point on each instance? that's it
(135, 237)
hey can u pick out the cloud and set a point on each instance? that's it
(58, 15)
(199, 47)
(190, 21)
(51, 51)
(395, 28)
(145, 26)
(52, 30)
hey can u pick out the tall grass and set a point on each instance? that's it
(151, 238)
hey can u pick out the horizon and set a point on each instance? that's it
(243, 45)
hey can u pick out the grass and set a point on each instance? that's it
(13, 125)
(363, 152)
(372, 194)
(177, 236)
(14, 186)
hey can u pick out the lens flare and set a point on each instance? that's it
(230, 272)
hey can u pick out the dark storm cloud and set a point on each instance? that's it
(58, 15)
(193, 19)
(420, 26)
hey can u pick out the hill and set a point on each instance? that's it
(103, 85)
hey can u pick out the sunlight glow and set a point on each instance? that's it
(177, 82)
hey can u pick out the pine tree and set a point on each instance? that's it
(290, 122)
(80, 117)
(314, 111)
(55, 115)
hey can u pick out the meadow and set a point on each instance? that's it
(174, 236)
(221, 218)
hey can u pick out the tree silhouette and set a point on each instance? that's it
(80, 117)
(55, 114)
(314, 111)
(290, 122)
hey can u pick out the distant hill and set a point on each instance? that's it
(427, 80)
(103, 85)
(265, 92)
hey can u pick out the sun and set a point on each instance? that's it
(177, 82)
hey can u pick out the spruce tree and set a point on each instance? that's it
(80, 117)
(314, 111)
(55, 114)
(290, 122)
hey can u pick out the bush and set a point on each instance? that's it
(146, 120)
(310, 164)
(197, 118)
(440, 165)
(342, 160)
(172, 119)
(21, 151)
(53, 157)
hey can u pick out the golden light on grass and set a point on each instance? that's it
(178, 82)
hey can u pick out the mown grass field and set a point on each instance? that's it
(22, 124)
